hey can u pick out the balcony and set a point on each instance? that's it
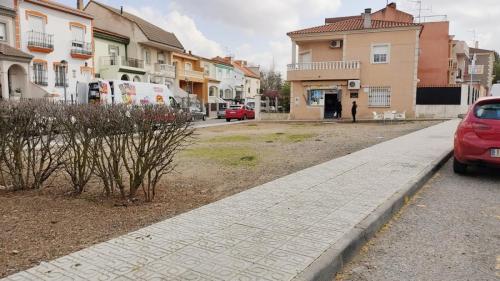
(81, 50)
(452, 64)
(166, 70)
(122, 64)
(193, 75)
(324, 70)
(40, 42)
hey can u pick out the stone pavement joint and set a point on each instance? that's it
(300, 227)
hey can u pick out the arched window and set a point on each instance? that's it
(228, 94)
(125, 77)
(137, 79)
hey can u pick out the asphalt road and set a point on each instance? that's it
(449, 231)
(214, 122)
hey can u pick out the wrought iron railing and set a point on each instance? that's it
(40, 75)
(81, 48)
(122, 61)
(40, 40)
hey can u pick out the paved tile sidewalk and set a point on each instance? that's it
(271, 232)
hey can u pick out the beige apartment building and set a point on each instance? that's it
(129, 48)
(362, 59)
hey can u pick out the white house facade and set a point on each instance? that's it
(60, 40)
(14, 64)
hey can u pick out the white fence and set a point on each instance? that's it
(324, 65)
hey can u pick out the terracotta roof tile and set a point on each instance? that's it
(152, 32)
(337, 19)
(9, 51)
(351, 24)
(223, 61)
(245, 70)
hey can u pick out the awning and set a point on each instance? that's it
(215, 99)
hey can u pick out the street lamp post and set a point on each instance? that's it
(64, 65)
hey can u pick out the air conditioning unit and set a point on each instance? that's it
(335, 44)
(354, 85)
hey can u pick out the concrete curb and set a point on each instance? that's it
(332, 260)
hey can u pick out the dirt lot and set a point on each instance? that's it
(42, 225)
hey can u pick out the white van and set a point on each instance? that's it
(126, 92)
(495, 90)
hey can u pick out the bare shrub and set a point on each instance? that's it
(157, 134)
(29, 152)
(78, 134)
(109, 148)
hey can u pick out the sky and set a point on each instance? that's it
(256, 30)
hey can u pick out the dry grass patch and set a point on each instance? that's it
(228, 156)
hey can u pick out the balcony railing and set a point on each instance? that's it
(40, 77)
(324, 65)
(131, 62)
(193, 74)
(40, 40)
(81, 48)
(165, 69)
(452, 64)
(339, 70)
(122, 61)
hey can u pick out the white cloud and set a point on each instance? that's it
(464, 16)
(184, 28)
(271, 18)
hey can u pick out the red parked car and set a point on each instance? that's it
(240, 112)
(477, 140)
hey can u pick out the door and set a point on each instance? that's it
(331, 101)
(305, 57)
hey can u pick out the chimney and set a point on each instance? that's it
(121, 10)
(367, 18)
(476, 44)
(392, 5)
(79, 4)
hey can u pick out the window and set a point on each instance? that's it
(380, 53)
(305, 57)
(147, 56)
(3, 32)
(161, 58)
(314, 97)
(113, 50)
(188, 66)
(489, 111)
(36, 24)
(78, 36)
(221, 93)
(40, 73)
(379, 97)
(60, 72)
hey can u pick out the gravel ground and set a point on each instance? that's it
(43, 225)
(449, 231)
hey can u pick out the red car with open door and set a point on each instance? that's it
(477, 140)
(240, 112)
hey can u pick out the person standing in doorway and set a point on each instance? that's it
(354, 110)
(339, 108)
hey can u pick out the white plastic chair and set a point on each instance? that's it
(401, 116)
(378, 116)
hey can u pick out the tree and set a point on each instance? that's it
(496, 69)
(285, 96)
(270, 81)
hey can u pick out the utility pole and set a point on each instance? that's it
(472, 69)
